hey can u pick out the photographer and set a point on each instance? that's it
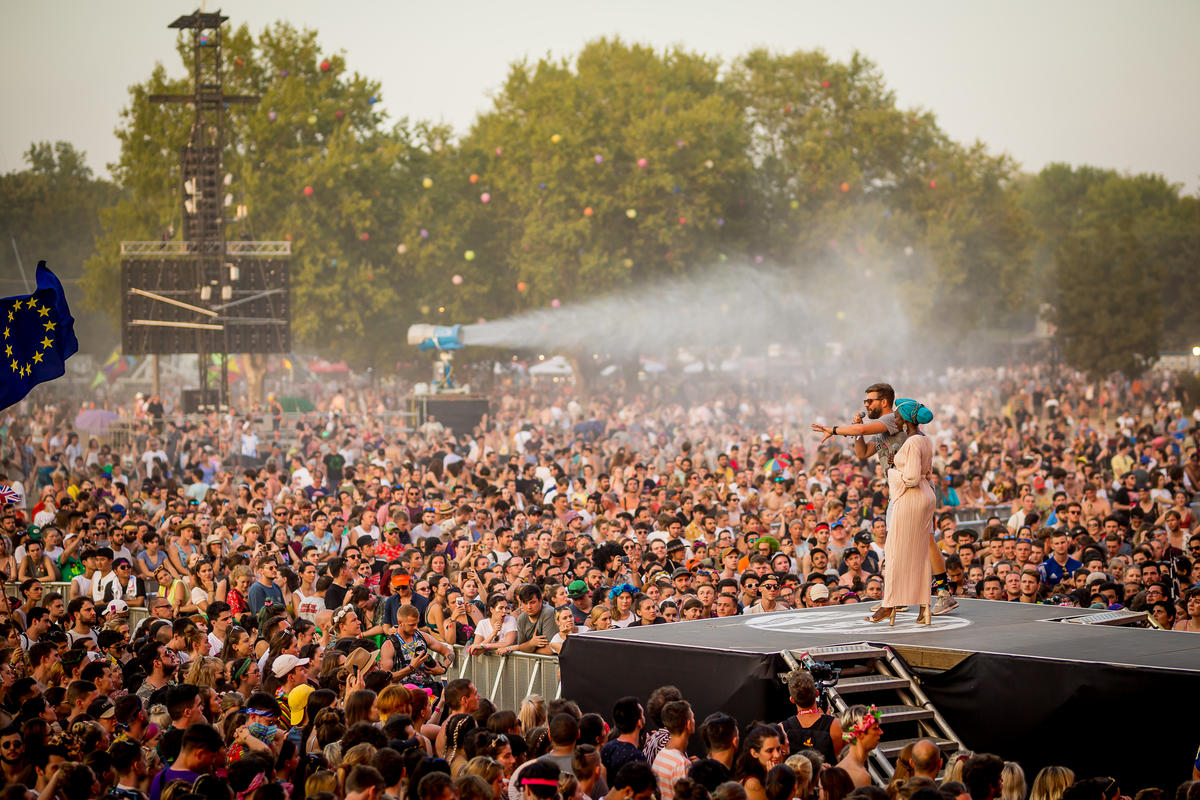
(811, 728)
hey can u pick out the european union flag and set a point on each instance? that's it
(39, 336)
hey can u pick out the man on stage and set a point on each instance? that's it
(886, 439)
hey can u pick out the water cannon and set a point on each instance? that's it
(443, 340)
(428, 337)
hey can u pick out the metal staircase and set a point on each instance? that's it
(875, 675)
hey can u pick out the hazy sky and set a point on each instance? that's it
(1114, 84)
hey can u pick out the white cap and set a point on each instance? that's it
(286, 663)
(117, 606)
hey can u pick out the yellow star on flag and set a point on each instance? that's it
(49, 325)
(14, 366)
(47, 342)
(17, 305)
(8, 350)
(37, 358)
(6, 333)
(43, 311)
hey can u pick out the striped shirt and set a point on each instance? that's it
(669, 766)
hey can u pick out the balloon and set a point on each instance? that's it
(675, 189)
(485, 198)
(683, 220)
(720, 222)
(642, 162)
(325, 65)
(795, 204)
(933, 184)
(522, 286)
(599, 159)
(427, 183)
(631, 212)
(825, 84)
(555, 303)
(474, 178)
(555, 139)
(238, 62)
(364, 236)
(680, 143)
(283, 73)
(541, 186)
(308, 190)
(339, 113)
(758, 259)
(469, 255)
(587, 212)
(312, 119)
(456, 280)
(709, 163)
(402, 248)
(908, 251)
(499, 151)
(272, 116)
(628, 263)
(372, 100)
(424, 233)
(287, 237)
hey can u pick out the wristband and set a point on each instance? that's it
(835, 433)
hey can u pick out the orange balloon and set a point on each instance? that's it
(522, 286)
(845, 187)
(933, 184)
(474, 178)
(587, 212)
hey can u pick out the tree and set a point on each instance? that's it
(1107, 301)
(312, 162)
(51, 211)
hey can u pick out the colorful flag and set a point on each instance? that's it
(39, 336)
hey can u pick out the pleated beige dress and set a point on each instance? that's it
(906, 572)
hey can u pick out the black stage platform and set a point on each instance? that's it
(1013, 679)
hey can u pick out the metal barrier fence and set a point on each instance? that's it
(13, 589)
(507, 680)
(972, 517)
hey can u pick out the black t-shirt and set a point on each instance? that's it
(335, 596)
(334, 463)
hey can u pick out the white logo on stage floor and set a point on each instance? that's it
(849, 620)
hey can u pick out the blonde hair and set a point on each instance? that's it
(487, 768)
(394, 699)
(803, 768)
(1051, 782)
(322, 780)
(1012, 783)
(954, 767)
(361, 753)
(532, 712)
(205, 671)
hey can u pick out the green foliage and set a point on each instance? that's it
(1100, 330)
(1147, 221)
(793, 159)
(52, 211)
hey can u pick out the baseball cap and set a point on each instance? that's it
(297, 700)
(117, 606)
(286, 663)
(818, 591)
(862, 537)
(576, 589)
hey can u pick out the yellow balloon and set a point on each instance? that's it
(427, 183)
(556, 138)
(469, 255)
(631, 212)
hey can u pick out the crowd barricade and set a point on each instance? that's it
(974, 518)
(507, 680)
(13, 589)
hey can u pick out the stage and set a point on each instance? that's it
(1022, 681)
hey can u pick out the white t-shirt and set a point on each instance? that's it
(308, 606)
(484, 629)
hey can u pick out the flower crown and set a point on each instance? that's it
(869, 720)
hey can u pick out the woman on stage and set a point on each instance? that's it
(906, 571)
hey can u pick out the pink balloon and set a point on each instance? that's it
(457, 280)
(485, 198)
(554, 303)
(642, 162)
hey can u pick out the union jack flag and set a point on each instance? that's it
(9, 496)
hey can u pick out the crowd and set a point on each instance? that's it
(266, 607)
